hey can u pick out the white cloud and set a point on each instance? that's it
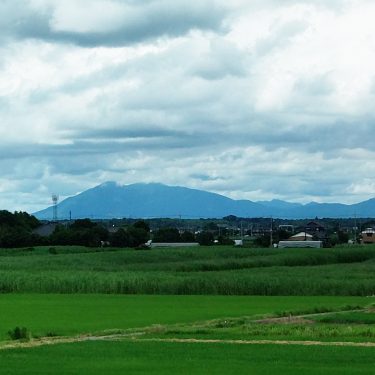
(255, 99)
(88, 16)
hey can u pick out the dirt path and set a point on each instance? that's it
(137, 337)
(66, 340)
(303, 318)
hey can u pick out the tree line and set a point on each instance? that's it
(18, 230)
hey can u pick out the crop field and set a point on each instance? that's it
(75, 314)
(203, 270)
(219, 310)
(94, 334)
(140, 357)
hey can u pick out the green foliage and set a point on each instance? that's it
(141, 224)
(205, 238)
(356, 317)
(225, 240)
(129, 237)
(16, 229)
(82, 232)
(201, 270)
(187, 237)
(337, 238)
(120, 238)
(167, 235)
(263, 241)
(82, 224)
(19, 333)
(281, 235)
(137, 236)
(18, 219)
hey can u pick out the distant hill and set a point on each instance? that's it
(110, 200)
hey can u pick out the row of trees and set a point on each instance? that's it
(17, 230)
(87, 233)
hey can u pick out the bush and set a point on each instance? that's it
(205, 238)
(19, 333)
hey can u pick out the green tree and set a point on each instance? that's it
(167, 235)
(205, 238)
(137, 236)
(187, 237)
(141, 224)
(120, 238)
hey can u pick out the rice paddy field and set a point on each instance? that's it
(205, 310)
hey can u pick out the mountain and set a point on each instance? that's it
(110, 200)
(279, 204)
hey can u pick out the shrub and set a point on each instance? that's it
(205, 238)
(19, 333)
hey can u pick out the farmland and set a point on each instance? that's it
(153, 334)
(205, 270)
(120, 357)
(200, 310)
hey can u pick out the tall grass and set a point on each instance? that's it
(226, 271)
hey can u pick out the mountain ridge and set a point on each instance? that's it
(146, 200)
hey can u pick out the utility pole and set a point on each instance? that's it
(271, 239)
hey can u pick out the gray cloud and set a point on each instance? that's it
(252, 116)
(139, 21)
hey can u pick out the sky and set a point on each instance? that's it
(252, 99)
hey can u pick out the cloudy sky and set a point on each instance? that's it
(253, 99)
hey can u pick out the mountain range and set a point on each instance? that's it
(111, 200)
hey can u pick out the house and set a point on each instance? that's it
(317, 230)
(301, 239)
(368, 235)
(301, 236)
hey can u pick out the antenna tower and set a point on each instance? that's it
(55, 199)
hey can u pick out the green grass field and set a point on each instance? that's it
(215, 293)
(203, 270)
(124, 357)
(75, 314)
